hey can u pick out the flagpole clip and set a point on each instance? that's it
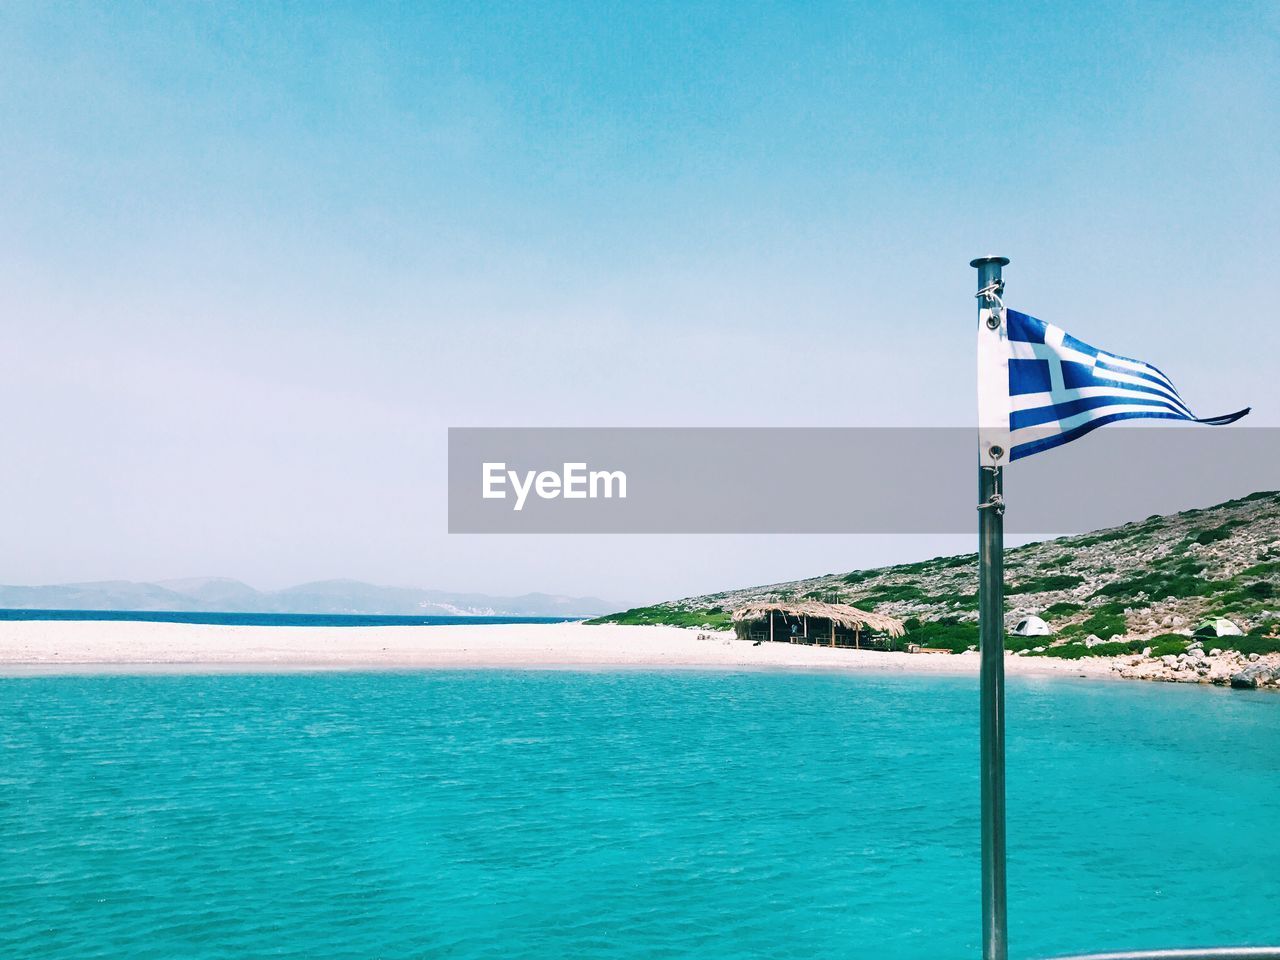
(991, 293)
(996, 503)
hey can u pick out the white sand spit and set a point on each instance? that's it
(42, 647)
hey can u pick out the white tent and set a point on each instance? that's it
(1031, 626)
(1218, 627)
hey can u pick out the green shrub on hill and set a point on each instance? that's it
(1050, 581)
(1180, 565)
(1260, 590)
(1075, 651)
(1251, 643)
(1270, 568)
(893, 593)
(963, 601)
(1249, 598)
(1094, 539)
(1063, 608)
(1158, 585)
(947, 633)
(1056, 562)
(1256, 641)
(661, 615)
(1168, 643)
(1260, 495)
(1018, 644)
(1103, 624)
(1215, 534)
(898, 593)
(914, 569)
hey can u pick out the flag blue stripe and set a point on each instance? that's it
(1040, 444)
(1071, 343)
(1111, 367)
(1023, 328)
(1223, 419)
(1069, 408)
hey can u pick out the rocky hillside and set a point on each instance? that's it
(1118, 591)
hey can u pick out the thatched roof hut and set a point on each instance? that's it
(809, 621)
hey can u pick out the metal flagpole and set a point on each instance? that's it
(995, 941)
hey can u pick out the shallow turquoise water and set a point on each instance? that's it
(621, 815)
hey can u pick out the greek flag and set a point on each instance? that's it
(1060, 388)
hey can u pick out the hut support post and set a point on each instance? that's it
(771, 626)
(995, 944)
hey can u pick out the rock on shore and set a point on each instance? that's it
(1221, 667)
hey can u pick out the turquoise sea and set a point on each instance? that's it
(267, 619)
(622, 815)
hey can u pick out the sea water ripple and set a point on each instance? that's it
(490, 814)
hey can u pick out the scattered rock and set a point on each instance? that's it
(1257, 675)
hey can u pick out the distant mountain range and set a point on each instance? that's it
(223, 595)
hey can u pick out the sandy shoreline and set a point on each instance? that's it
(42, 647)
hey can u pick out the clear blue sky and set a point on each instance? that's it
(258, 257)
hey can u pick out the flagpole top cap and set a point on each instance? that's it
(1001, 261)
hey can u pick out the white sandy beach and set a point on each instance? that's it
(43, 647)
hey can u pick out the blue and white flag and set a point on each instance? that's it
(1040, 387)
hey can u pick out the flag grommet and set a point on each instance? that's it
(993, 321)
(995, 451)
